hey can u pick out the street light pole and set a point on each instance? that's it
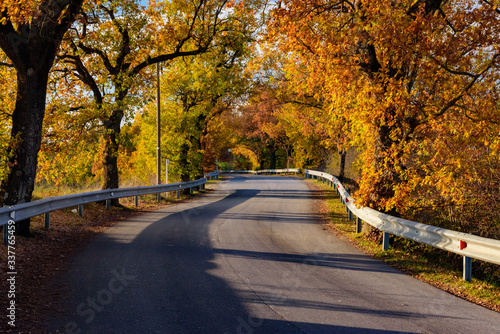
(158, 124)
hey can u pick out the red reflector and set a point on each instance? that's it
(346, 200)
(463, 244)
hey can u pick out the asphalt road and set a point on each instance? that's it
(249, 258)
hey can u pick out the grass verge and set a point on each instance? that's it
(433, 266)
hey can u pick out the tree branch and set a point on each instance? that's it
(454, 100)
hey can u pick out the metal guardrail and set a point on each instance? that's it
(44, 206)
(279, 171)
(467, 245)
(211, 176)
(263, 171)
(232, 171)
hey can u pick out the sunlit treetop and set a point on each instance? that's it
(18, 12)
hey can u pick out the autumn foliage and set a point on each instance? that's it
(411, 85)
(415, 83)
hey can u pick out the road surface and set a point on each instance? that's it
(250, 257)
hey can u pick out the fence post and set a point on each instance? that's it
(358, 225)
(385, 241)
(46, 217)
(467, 269)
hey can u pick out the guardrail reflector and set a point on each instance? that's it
(463, 244)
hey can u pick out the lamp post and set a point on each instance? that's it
(158, 124)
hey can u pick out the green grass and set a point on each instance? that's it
(439, 268)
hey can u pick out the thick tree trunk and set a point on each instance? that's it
(110, 150)
(26, 134)
(32, 49)
(110, 161)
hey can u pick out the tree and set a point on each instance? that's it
(110, 52)
(195, 92)
(30, 34)
(402, 67)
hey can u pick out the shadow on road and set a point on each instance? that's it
(340, 261)
(155, 275)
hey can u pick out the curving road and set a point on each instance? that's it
(249, 258)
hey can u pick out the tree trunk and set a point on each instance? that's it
(32, 49)
(110, 152)
(26, 134)
(342, 157)
(272, 157)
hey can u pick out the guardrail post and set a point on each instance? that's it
(136, 200)
(191, 190)
(359, 225)
(108, 204)
(159, 197)
(80, 210)
(5, 234)
(349, 214)
(46, 217)
(467, 269)
(385, 241)
(178, 194)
